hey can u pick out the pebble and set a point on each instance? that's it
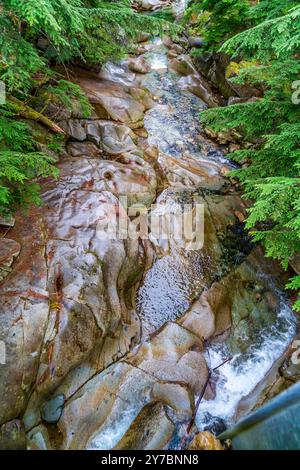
(51, 410)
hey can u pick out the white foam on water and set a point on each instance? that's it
(172, 282)
(114, 430)
(117, 73)
(239, 377)
(158, 62)
(133, 395)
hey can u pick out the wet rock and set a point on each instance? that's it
(62, 301)
(7, 222)
(68, 308)
(272, 301)
(295, 264)
(74, 128)
(151, 430)
(199, 87)
(224, 170)
(213, 424)
(12, 436)
(177, 49)
(234, 147)
(172, 355)
(196, 42)
(183, 65)
(240, 216)
(54, 155)
(142, 37)
(205, 441)
(9, 251)
(290, 371)
(150, 5)
(182, 40)
(172, 54)
(100, 398)
(247, 91)
(111, 137)
(216, 302)
(191, 172)
(139, 65)
(43, 44)
(152, 151)
(167, 41)
(247, 312)
(24, 312)
(236, 100)
(51, 410)
(200, 319)
(118, 74)
(124, 175)
(143, 96)
(110, 100)
(84, 149)
(141, 133)
(213, 67)
(224, 137)
(38, 439)
(176, 395)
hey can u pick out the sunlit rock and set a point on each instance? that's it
(139, 65)
(205, 441)
(111, 100)
(151, 430)
(176, 395)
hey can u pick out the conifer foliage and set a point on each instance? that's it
(267, 38)
(87, 30)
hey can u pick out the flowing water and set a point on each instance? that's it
(174, 126)
(176, 278)
(70, 320)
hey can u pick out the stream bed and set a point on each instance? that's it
(178, 277)
(111, 340)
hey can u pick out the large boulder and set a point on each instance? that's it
(183, 65)
(70, 286)
(190, 172)
(205, 441)
(169, 367)
(199, 87)
(110, 137)
(112, 101)
(151, 430)
(24, 314)
(139, 65)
